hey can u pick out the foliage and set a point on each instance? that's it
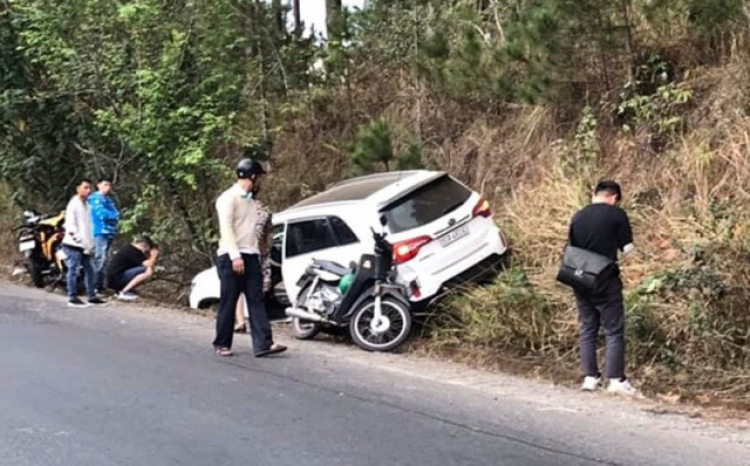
(581, 155)
(652, 99)
(708, 17)
(147, 92)
(373, 150)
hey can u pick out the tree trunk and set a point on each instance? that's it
(253, 22)
(333, 19)
(297, 19)
(278, 15)
(262, 72)
(624, 5)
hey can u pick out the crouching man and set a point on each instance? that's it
(131, 266)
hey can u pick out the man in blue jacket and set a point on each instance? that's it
(104, 219)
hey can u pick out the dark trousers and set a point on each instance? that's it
(232, 285)
(605, 310)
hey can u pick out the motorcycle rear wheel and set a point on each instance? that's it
(392, 336)
(35, 271)
(304, 329)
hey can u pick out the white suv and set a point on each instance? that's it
(441, 230)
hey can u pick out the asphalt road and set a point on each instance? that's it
(123, 385)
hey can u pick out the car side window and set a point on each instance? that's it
(343, 233)
(278, 244)
(309, 236)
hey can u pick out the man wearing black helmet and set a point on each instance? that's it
(239, 262)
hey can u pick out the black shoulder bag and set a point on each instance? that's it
(585, 271)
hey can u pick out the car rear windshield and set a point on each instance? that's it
(426, 204)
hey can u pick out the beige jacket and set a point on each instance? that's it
(238, 218)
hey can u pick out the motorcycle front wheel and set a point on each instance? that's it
(386, 334)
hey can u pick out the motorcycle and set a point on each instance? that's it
(40, 242)
(364, 297)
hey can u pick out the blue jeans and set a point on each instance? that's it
(102, 245)
(118, 282)
(75, 260)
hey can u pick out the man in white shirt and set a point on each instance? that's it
(78, 245)
(238, 263)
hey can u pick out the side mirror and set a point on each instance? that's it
(383, 220)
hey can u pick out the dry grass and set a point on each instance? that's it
(688, 327)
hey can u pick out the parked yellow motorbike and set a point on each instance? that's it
(40, 241)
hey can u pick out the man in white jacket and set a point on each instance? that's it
(78, 245)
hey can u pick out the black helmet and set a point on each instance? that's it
(247, 168)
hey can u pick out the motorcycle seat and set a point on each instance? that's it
(330, 266)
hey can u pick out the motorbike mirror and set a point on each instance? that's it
(383, 220)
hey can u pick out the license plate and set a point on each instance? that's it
(27, 246)
(453, 236)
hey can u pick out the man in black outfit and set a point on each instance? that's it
(603, 228)
(131, 266)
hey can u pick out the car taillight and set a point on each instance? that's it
(482, 209)
(404, 251)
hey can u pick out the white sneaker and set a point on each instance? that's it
(127, 296)
(590, 384)
(621, 387)
(76, 302)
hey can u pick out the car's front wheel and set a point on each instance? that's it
(210, 305)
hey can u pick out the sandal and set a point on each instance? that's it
(274, 349)
(240, 328)
(224, 352)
